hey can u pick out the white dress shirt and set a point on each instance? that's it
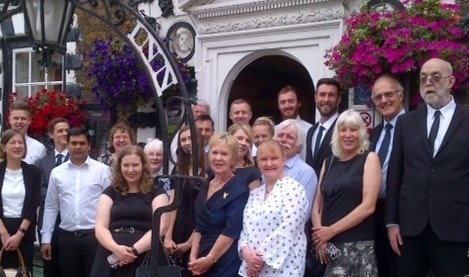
(74, 191)
(35, 151)
(447, 113)
(326, 125)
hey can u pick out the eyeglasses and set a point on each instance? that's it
(387, 95)
(433, 79)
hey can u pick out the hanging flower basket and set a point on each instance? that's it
(119, 78)
(399, 42)
(47, 105)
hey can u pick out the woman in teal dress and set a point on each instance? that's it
(219, 214)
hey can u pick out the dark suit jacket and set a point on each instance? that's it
(45, 165)
(424, 189)
(31, 177)
(324, 149)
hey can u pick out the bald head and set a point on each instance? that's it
(436, 81)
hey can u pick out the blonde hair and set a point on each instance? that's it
(229, 141)
(248, 160)
(269, 145)
(265, 121)
(349, 117)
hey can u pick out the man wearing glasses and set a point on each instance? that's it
(427, 206)
(387, 94)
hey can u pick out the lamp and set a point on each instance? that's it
(48, 22)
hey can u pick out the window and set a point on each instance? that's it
(30, 77)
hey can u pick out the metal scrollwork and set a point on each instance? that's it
(149, 48)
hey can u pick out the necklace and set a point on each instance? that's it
(218, 182)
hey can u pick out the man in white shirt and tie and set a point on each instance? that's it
(387, 94)
(74, 190)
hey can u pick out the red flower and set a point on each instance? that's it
(47, 105)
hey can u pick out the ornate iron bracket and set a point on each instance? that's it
(147, 46)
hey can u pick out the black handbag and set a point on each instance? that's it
(21, 271)
(170, 270)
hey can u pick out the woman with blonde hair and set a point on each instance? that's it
(350, 181)
(263, 129)
(245, 165)
(273, 240)
(219, 213)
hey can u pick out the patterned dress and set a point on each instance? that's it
(275, 227)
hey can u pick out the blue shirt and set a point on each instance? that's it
(297, 169)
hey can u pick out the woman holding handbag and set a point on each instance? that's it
(19, 189)
(178, 239)
(343, 209)
(123, 219)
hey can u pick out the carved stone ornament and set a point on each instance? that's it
(264, 20)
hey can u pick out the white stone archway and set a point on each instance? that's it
(230, 37)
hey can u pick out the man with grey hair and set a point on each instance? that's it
(291, 136)
(199, 108)
(388, 95)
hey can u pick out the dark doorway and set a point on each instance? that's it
(261, 80)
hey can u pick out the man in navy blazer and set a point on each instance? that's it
(58, 130)
(427, 206)
(388, 95)
(327, 100)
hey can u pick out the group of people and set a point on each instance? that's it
(291, 199)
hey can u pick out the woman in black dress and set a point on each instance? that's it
(123, 220)
(343, 209)
(178, 239)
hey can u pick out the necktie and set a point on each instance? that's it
(59, 159)
(383, 150)
(434, 130)
(318, 141)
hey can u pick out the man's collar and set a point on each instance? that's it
(394, 119)
(291, 162)
(329, 121)
(86, 162)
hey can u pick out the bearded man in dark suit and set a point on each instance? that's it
(427, 205)
(318, 147)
